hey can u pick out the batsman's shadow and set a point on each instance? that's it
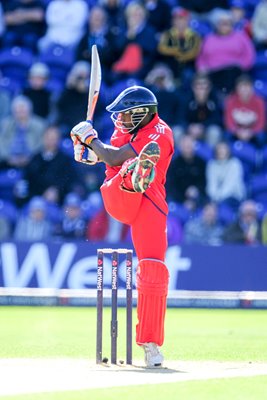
(140, 369)
(157, 370)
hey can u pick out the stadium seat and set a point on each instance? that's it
(8, 179)
(247, 154)
(203, 28)
(8, 210)
(259, 70)
(261, 210)
(226, 214)
(264, 159)
(203, 150)
(118, 87)
(92, 205)
(66, 146)
(54, 213)
(10, 86)
(59, 59)
(15, 63)
(261, 88)
(179, 211)
(258, 188)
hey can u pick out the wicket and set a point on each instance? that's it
(114, 303)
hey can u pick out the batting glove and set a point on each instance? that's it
(84, 155)
(84, 132)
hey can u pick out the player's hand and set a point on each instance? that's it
(84, 133)
(84, 155)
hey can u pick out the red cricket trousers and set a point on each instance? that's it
(148, 223)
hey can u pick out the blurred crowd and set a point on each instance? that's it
(206, 62)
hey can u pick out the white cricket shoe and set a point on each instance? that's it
(153, 356)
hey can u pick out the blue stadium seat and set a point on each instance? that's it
(15, 63)
(258, 188)
(59, 59)
(261, 88)
(8, 179)
(92, 205)
(259, 70)
(54, 213)
(66, 145)
(226, 214)
(179, 211)
(9, 210)
(11, 86)
(250, 7)
(264, 159)
(203, 28)
(247, 154)
(119, 86)
(261, 210)
(203, 150)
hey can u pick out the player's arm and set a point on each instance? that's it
(112, 156)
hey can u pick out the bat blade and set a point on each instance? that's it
(95, 82)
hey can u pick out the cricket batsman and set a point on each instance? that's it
(133, 192)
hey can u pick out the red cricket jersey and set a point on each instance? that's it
(157, 130)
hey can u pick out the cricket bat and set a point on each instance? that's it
(95, 82)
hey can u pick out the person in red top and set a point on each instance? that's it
(134, 193)
(245, 117)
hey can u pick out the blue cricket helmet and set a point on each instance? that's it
(134, 97)
(135, 100)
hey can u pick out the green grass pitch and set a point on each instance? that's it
(191, 334)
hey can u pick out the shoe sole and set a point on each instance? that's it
(148, 158)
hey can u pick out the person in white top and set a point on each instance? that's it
(66, 20)
(259, 26)
(225, 177)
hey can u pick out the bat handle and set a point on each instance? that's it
(79, 141)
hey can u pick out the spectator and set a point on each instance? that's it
(161, 81)
(71, 104)
(193, 201)
(2, 24)
(137, 45)
(179, 46)
(5, 228)
(158, 14)
(5, 101)
(204, 229)
(34, 225)
(115, 13)
(73, 223)
(238, 11)
(24, 23)
(36, 89)
(203, 6)
(226, 53)
(201, 114)
(99, 33)
(65, 21)
(246, 229)
(20, 134)
(51, 173)
(264, 230)
(225, 177)
(259, 26)
(186, 170)
(245, 116)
